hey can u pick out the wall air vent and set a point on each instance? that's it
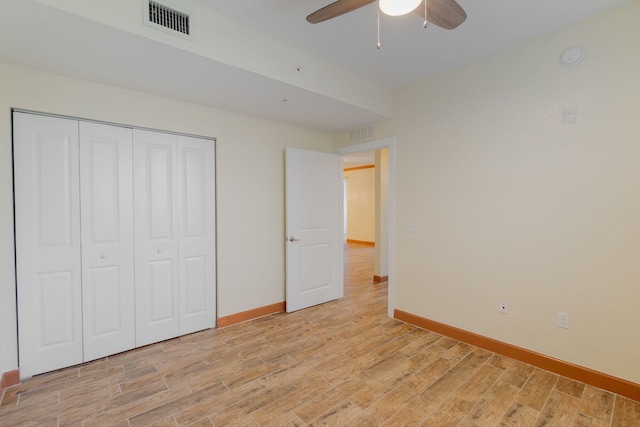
(167, 17)
(361, 134)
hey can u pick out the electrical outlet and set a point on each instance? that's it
(504, 306)
(412, 227)
(563, 320)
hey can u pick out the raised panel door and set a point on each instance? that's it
(155, 160)
(314, 228)
(47, 243)
(106, 187)
(196, 188)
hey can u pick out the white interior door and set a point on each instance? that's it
(106, 194)
(155, 162)
(314, 228)
(196, 244)
(47, 243)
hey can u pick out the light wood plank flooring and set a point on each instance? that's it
(343, 363)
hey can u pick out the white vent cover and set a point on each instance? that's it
(361, 134)
(163, 17)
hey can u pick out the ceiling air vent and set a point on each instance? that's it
(168, 17)
(361, 134)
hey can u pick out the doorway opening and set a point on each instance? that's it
(369, 211)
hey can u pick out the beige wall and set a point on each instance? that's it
(250, 181)
(361, 210)
(510, 203)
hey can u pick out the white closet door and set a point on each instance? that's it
(155, 163)
(47, 243)
(106, 195)
(196, 189)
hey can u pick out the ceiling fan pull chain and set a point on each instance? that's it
(378, 45)
(425, 13)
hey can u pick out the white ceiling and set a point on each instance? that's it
(409, 52)
(35, 35)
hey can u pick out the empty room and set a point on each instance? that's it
(173, 236)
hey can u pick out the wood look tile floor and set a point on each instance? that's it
(344, 363)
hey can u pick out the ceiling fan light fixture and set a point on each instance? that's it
(398, 7)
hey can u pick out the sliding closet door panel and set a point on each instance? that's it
(47, 243)
(106, 194)
(196, 186)
(156, 236)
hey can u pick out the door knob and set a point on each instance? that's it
(293, 239)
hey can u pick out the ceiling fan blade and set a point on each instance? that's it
(444, 13)
(335, 9)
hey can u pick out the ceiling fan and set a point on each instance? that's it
(444, 13)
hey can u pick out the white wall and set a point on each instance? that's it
(361, 204)
(250, 181)
(510, 203)
(381, 266)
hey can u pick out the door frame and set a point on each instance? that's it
(377, 144)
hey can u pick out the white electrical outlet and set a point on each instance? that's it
(504, 306)
(563, 320)
(412, 227)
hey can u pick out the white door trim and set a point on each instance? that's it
(107, 123)
(389, 143)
